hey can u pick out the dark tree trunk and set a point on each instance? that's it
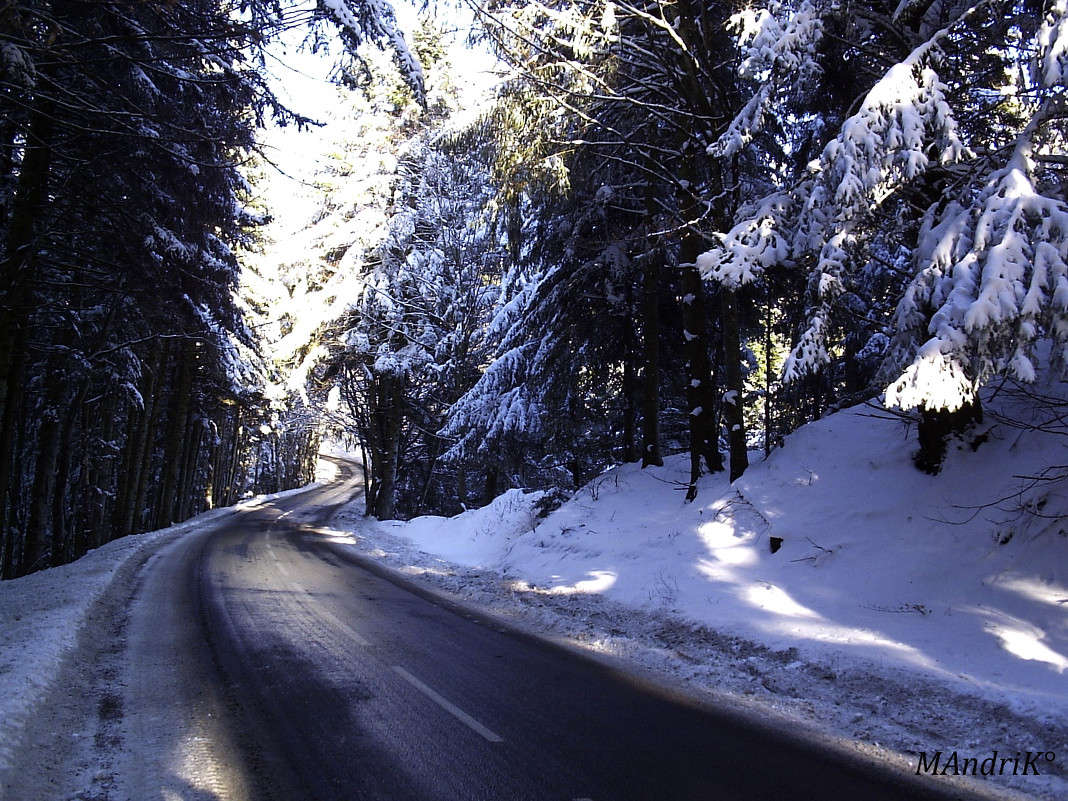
(630, 408)
(38, 542)
(174, 448)
(98, 513)
(700, 400)
(935, 428)
(704, 442)
(223, 456)
(139, 447)
(233, 487)
(733, 411)
(16, 272)
(385, 446)
(631, 398)
(10, 422)
(46, 523)
(189, 502)
(651, 454)
(769, 379)
(491, 485)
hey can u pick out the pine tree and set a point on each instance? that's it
(632, 84)
(121, 216)
(934, 213)
(391, 327)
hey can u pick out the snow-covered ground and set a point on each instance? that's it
(42, 614)
(833, 586)
(899, 613)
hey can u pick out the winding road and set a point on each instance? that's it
(260, 659)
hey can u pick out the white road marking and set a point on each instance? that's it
(448, 706)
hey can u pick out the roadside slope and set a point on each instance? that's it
(47, 617)
(834, 583)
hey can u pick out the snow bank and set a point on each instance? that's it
(834, 583)
(479, 537)
(42, 614)
(40, 617)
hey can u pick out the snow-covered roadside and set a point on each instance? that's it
(898, 612)
(42, 614)
(878, 620)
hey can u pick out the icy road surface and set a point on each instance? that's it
(256, 659)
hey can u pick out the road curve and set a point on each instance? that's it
(264, 661)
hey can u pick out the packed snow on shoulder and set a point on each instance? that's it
(833, 584)
(43, 614)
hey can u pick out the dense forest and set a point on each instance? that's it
(673, 227)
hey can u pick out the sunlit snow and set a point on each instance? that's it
(901, 612)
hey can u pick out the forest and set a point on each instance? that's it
(675, 226)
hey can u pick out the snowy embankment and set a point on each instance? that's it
(898, 612)
(41, 615)
(834, 587)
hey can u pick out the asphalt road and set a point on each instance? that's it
(262, 660)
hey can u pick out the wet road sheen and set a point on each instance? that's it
(337, 682)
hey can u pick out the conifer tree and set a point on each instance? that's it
(942, 186)
(122, 213)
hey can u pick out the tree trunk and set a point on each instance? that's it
(631, 399)
(491, 484)
(630, 408)
(385, 449)
(936, 426)
(188, 503)
(99, 511)
(733, 411)
(700, 401)
(234, 487)
(54, 421)
(651, 454)
(224, 455)
(704, 442)
(9, 453)
(16, 273)
(139, 447)
(174, 448)
(769, 379)
(37, 551)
